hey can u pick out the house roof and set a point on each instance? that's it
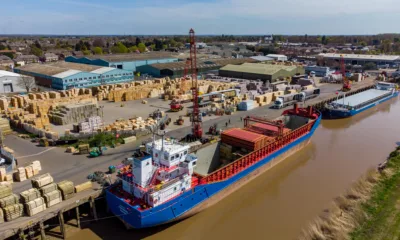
(4, 57)
(22, 57)
(257, 68)
(8, 74)
(63, 69)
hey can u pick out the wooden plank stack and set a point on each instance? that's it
(20, 174)
(84, 186)
(13, 212)
(42, 180)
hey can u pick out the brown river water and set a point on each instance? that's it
(279, 203)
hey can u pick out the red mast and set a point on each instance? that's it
(197, 130)
(346, 82)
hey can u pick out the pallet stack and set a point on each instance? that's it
(9, 203)
(67, 189)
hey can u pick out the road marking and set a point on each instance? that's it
(36, 154)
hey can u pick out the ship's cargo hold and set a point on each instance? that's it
(42, 180)
(67, 189)
(8, 201)
(52, 198)
(84, 186)
(48, 188)
(246, 105)
(20, 174)
(5, 190)
(35, 206)
(29, 195)
(244, 139)
(13, 212)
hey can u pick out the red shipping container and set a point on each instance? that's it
(267, 129)
(241, 138)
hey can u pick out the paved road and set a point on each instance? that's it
(63, 165)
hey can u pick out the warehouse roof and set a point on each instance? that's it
(262, 58)
(257, 68)
(8, 74)
(201, 64)
(63, 69)
(130, 56)
(361, 56)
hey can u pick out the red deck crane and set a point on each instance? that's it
(346, 83)
(197, 129)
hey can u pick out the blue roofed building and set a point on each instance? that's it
(128, 62)
(66, 75)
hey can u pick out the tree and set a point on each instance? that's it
(37, 44)
(98, 50)
(119, 48)
(138, 41)
(141, 47)
(86, 52)
(386, 46)
(36, 51)
(2, 47)
(98, 42)
(9, 54)
(26, 82)
(133, 49)
(324, 40)
(369, 66)
(362, 43)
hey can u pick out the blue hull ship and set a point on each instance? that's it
(357, 103)
(208, 185)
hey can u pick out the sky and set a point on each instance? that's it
(161, 17)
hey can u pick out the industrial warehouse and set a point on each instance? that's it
(124, 61)
(260, 71)
(332, 59)
(65, 75)
(177, 69)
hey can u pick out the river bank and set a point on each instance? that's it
(370, 209)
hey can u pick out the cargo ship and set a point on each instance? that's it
(354, 104)
(166, 180)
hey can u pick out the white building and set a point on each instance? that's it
(278, 57)
(361, 59)
(9, 82)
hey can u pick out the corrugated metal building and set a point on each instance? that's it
(177, 69)
(333, 59)
(65, 75)
(124, 61)
(9, 82)
(260, 71)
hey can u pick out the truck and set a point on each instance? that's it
(287, 100)
(309, 94)
(290, 99)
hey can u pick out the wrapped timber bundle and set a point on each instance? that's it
(5, 190)
(67, 189)
(8, 201)
(35, 206)
(13, 212)
(84, 186)
(42, 180)
(20, 174)
(29, 195)
(48, 188)
(52, 198)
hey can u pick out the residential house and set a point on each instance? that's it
(50, 57)
(26, 59)
(5, 61)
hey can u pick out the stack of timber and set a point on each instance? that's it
(241, 138)
(20, 174)
(83, 186)
(5, 126)
(67, 189)
(33, 169)
(9, 204)
(48, 189)
(42, 180)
